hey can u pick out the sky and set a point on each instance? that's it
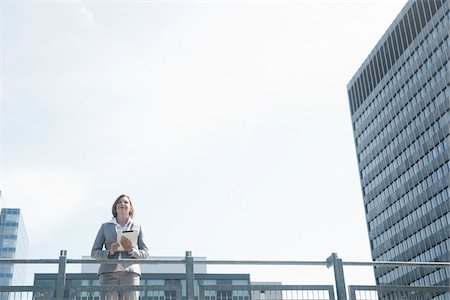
(226, 122)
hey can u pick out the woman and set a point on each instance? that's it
(106, 246)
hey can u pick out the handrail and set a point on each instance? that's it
(189, 261)
(28, 261)
(88, 261)
(261, 262)
(129, 260)
(230, 262)
(399, 264)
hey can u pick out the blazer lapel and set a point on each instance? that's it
(112, 231)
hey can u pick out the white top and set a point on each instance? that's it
(120, 228)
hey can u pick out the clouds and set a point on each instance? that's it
(86, 17)
(47, 197)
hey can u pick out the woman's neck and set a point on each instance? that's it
(121, 220)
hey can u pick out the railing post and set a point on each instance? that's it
(189, 261)
(339, 279)
(61, 281)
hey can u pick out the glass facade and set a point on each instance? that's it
(13, 244)
(400, 107)
(147, 279)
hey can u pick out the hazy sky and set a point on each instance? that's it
(227, 122)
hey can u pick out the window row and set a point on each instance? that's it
(9, 230)
(419, 114)
(425, 160)
(6, 250)
(427, 207)
(415, 58)
(428, 232)
(393, 115)
(7, 236)
(413, 82)
(9, 224)
(410, 275)
(418, 192)
(386, 167)
(433, 278)
(8, 243)
(418, 170)
(10, 211)
(401, 37)
(432, 107)
(428, 256)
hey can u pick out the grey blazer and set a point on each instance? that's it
(108, 235)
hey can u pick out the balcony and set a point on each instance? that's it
(190, 285)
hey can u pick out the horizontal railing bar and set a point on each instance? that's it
(209, 262)
(88, 261)
(150, 261)
(399, 264)
(25, 288)
(130, 260)
(229, 262)
(28, 261)
(260, 262)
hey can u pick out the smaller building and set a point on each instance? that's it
(153, 279)
(14, 245)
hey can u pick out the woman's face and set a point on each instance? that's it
(123, 206)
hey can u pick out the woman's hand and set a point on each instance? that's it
(113, 249)
(126, 244)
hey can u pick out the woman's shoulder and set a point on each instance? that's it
(136, 226)
(107, 224)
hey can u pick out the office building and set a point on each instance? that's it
(399, 103)
(13, 244)
(152, 279)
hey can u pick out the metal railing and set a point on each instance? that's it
(266, 291)
(338, 291)
(89, 292)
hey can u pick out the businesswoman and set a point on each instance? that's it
(106, 246)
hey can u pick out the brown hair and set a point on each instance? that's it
(114, 209)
